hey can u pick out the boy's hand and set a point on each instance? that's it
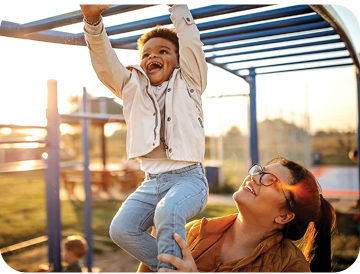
(93, 12)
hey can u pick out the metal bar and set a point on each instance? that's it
(20, 126)
(308, 68)
(95, 116)
(260, 34)
(71, 18)
(165, 19)
(308, 44)
(308, 19)
(302, 62)
(275, 40)
(286, 55)
(9, 29)
(52, 176)
(256, 17)
(254, 151)
(87, 187)
(330, 16)
(238, 37)
(21, 141)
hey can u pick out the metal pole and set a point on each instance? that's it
(254, 151)
(87, 186)
(358, 130)
(52, 178)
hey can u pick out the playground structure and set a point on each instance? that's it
(302, 23)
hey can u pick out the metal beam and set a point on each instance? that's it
(308, 68)
(308, 44)
(230, 38)
(256, 17)
(275, 40)
(308, 19)
(287, 55)
(302, 62)
(329, 15)
(71, 18)
(21, 127)
(165, 19)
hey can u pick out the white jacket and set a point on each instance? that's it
(184, 130)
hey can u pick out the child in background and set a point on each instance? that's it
(73, 248)
(163, 112)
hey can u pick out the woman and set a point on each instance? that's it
(282, 219)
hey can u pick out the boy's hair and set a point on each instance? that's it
(77, 245)
(166, 33)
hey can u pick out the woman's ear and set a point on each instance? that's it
(284, 217)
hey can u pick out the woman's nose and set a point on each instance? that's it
(256, 178)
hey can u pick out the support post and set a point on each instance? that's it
(254, 151)
(358, 120)
(52, 177)
(87, 186)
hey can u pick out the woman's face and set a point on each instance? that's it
(261, 203)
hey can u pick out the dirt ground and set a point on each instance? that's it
(105, 259)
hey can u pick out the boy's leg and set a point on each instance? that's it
(135, 216)
(186, 197)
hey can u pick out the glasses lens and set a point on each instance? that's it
(256, 169)
(268, 179)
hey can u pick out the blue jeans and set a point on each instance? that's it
(165, 200)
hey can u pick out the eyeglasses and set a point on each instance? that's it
(266, 179)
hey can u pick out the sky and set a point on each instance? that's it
(27, 65)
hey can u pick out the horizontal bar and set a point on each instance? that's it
(256, 17)
(313, 18)
(165, 19)
(316, 43)
(261, 34)
(238, 37)
(71, 18)
(41, 141)
(9, 29)
(301, 62)
(21, 127)
(275, 40)
(299, 69)
(92, 116)
(287, 55)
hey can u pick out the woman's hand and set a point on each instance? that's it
(186, 264)
(93, 12)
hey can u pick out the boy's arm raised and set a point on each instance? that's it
(192, 58)
(104, 60)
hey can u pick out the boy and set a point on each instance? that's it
(73, 248)
(162, 108)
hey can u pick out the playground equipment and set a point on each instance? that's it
(304, 26)
(52, 170)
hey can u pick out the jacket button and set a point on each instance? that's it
(169, 89)
(188, 19)
(170, 150)
(154, 114)
(169, 118)
(191, 90)
(153, 144)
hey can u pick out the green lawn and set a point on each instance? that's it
(23, 217)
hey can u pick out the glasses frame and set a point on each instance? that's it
(262, 173)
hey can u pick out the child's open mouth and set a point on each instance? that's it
(153, 66)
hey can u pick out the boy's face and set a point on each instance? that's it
(158, 60)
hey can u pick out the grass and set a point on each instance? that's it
(23, 217)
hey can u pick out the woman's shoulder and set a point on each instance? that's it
(295, 259)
